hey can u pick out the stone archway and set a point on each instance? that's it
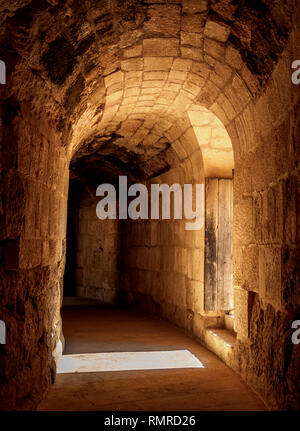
(119, 62)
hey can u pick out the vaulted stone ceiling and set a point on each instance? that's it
(118, 78)
(141, 86)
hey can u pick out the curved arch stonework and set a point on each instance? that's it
(181, 91)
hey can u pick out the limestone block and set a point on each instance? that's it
(209, 94)
(161, 47)
(159, 284)
(190, 142)
(250, 79)
(142, 110)
(241, 89)
(181, 65)
(166, 98)
(242, 221)
(190, 6)
(113, 78)
(228, 108)
(198, 325)
(193, 84)
(191, 52)
(241, 310)
(30, 254)
(157, 63)
(216, 79)
(193, 39)
(242, 134)
(270, 275)
(118, 86)
(62, 220)
(30, 213)
(113, 98)
(183, 264)
(217, 30)
(194, 264)
(152, 84)
(190, 294)
(214, 48)
(261, 114)
(130, 100)
(192, 23)
(45, 253)
(201, 69)
(183, 318)
(129, 92)
(134, 64)
(250, 268)
(133, 78)
(198, 287)
(178, 293)
(257, 216)
(154, 232)
(290, 209)
(233, 57)
(233, 98)
(154, 258)
(45, 198)
(166, 17)
(134, 51)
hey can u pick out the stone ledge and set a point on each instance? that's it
(221, 342)
(229, 322)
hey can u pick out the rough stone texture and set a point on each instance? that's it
(80, 74)
(162, 263)
(34, 182)
(97, 256)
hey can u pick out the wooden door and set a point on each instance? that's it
(218, 278)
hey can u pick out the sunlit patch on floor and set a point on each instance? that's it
(127, 361)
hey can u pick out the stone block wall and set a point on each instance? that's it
(162, 266)
(266, 239)
(77, 75)
(97, 272)
(34, 188)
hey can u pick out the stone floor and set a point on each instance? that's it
(95, 328)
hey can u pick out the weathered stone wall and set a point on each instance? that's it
(162, 263)
(114, 78)
(34, 184)
(97, 272)
(266, 238)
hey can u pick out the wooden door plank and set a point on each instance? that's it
(224, 246)
(211, 240)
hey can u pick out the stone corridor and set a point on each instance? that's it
(97, 328)
(165, 92)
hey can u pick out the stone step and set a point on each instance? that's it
(229, 322)
(221, 342)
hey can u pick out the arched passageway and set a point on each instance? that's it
(157, 262)
(161, 92)
(110, 365)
